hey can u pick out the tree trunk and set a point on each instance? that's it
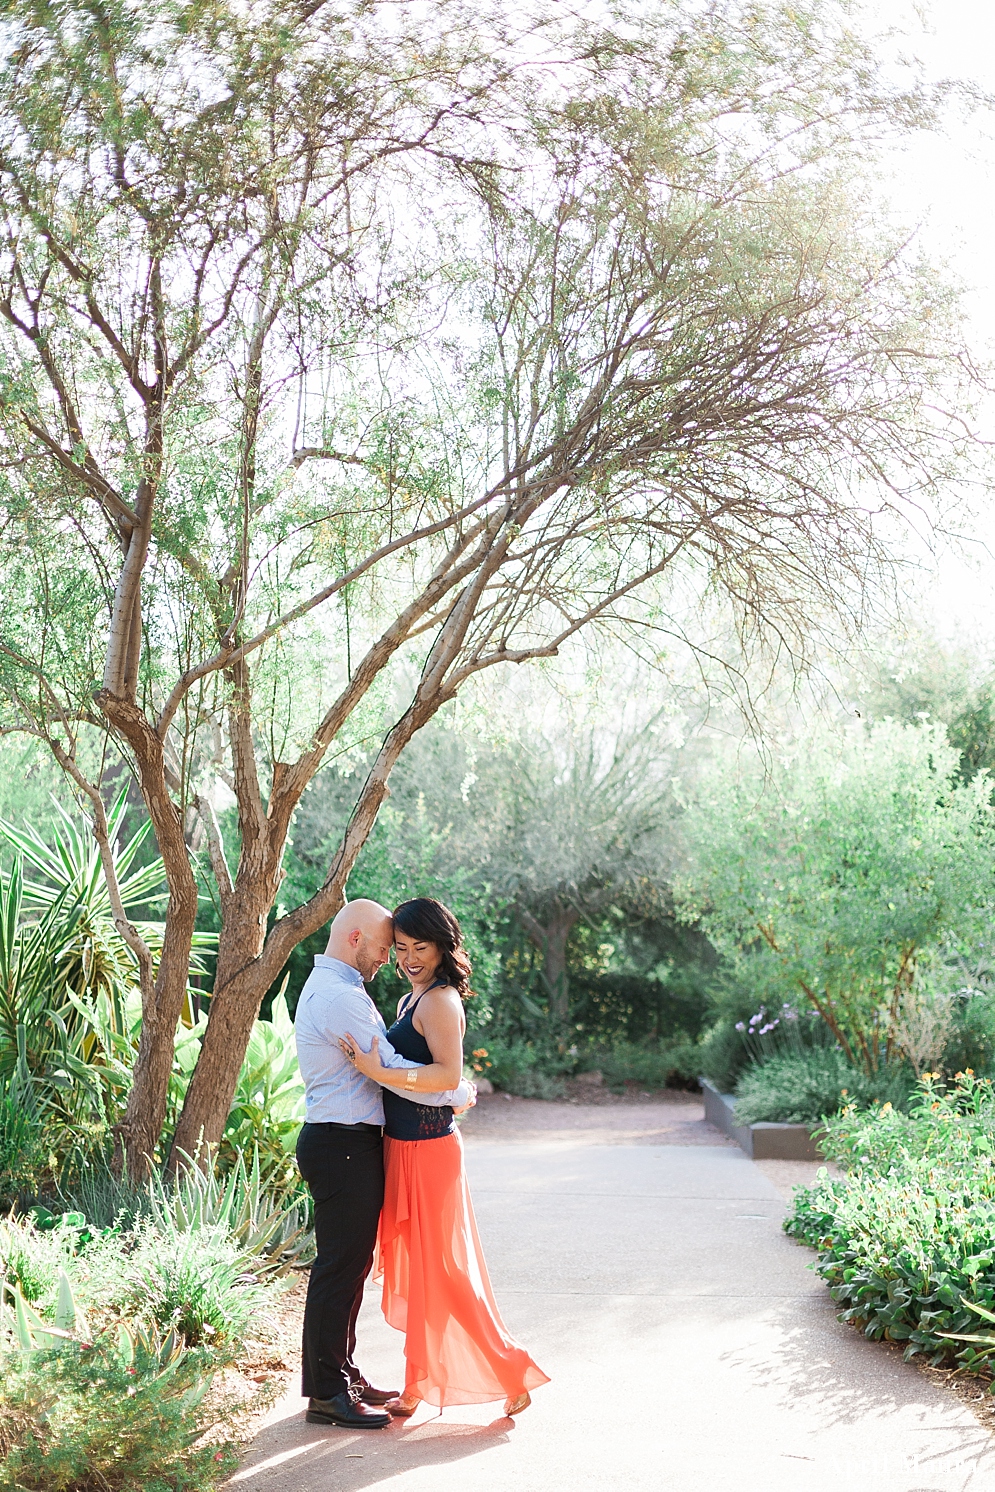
(141, 1128)
(551, 940)
(240, 983)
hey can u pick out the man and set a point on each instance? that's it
(340, 1155)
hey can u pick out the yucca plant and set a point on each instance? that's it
(33, 1005)
(97, 961)
(68, 987)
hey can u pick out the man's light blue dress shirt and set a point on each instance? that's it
(334, 1001)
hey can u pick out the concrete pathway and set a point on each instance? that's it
(688, 1344)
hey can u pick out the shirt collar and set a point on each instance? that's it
(346, 971)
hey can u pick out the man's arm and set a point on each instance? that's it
(357, 1014)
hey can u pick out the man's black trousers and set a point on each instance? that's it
(344, 1170)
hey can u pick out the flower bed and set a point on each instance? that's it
(906, 1238)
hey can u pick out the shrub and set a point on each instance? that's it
(192, 1283)
(199, 1255)
(803, 1087)
(526, 1069)
(722, 1055)
(972, 1040)
(151, 1392)
(906, 1240)
(51, 1440)
(21, 1153)
(653, 1064)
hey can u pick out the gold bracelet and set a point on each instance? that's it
(412, 1077)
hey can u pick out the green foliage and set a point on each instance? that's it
(905, 1238)
(652, 1064)
(971, 1042)
(200, 1256)
(528, 1068)
(120, 1416)
(193, 1282)
(803, 1087)
(268, 1105)
(69, 1006)
(722, 1055)
(148, 1390)
(22, 1157)
(828, 884)
(268, 1225)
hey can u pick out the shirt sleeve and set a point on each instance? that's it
(363, 1020)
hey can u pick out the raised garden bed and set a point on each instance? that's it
(760, 1141)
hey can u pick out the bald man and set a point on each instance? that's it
(340, 1155)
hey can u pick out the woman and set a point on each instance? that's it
(435, 1284)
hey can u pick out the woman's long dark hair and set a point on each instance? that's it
(428, 921)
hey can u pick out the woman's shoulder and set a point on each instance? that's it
(441, 1002)
(442, 994)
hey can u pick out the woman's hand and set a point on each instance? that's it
(368, 1063)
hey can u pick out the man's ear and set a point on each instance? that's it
(355, 938)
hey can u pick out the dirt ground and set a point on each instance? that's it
(594, 1116)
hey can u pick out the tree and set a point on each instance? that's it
(371, 340)
(579, 826)
(829, 884)
(924, 679)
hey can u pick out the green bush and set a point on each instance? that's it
(526, 1069)
(906, 1239)
(802, 1087)
(200, 1255)
(972, 1040)
(91, 1416)
(652, 1064)
(722, 1055)
(195, 1284)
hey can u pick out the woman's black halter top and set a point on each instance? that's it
(404, 1120)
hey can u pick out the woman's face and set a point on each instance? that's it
(416, 959)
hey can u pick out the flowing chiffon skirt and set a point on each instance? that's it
(435, 1284)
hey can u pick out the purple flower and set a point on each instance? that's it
(740, 1026)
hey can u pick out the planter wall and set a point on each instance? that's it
(760, 1141)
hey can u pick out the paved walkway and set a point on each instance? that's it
(640, 1258)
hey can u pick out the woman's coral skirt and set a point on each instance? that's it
(435, 1284)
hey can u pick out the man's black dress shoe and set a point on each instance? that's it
(371, 1395)
(345, 1410)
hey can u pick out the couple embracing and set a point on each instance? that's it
(383, 1158)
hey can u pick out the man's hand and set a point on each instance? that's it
(470, 1101)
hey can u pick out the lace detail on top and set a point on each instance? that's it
(404, 1120)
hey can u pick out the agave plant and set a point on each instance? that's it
(271, 1229)
(152, 1356)
(22, 1329)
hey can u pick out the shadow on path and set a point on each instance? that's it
(359, 1459)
